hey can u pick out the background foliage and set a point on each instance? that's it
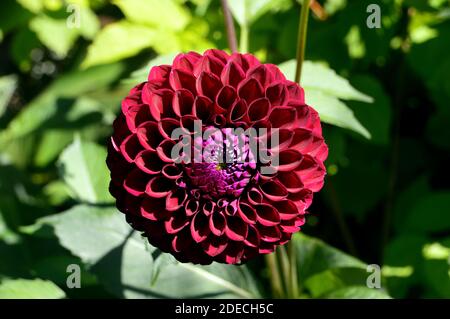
(382, 93)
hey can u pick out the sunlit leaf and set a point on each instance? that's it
(29, 289)
(118, 41)
(54, 34)
(319, 77)
(83, 168)
(123, 261)
(167, 14)
(333, 111)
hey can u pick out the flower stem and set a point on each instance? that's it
(301, 39)
(244, 39)
(274, 273)
(295, 290)
(229, 25)
(285, 266)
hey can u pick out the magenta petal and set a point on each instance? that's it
(200, 227)
(159, 187)
(258, 110)
(236, 229)
(135, 183)
(274, 190)
(208, 84)
(232, 74)
(267, 215)
(217, 223)
(180, 79)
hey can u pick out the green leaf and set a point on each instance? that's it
(54, 34)
(123, 261)
(358, 293)
(29, 289)
(315, 256)
(83, 168)
(168, 14)
(117, 41)
(335, 112)
(48, 103)
(323, 89)
(7, 87)
(335, 279)
(248, 11)
(319, 77)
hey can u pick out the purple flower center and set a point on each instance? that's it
(226, 167)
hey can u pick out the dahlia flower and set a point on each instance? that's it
(214, 210)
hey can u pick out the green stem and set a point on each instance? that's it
(301, 39)
(274, 273)
(244, 39)
(295, 290)
(285, 266)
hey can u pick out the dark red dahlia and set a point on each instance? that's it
(210, 209)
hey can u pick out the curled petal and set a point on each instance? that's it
(180, 79)
(232, 74)
(214, 245)
(186, 61)
(226, 98)
(175, 199)
(182, 102)
(210, 64)
(135, 183)
(149, 135)
(200, 227)
(208, 85)
(217, 223)
(191, 207)
(130, 147)
(283, 116)
(258, 110)
(250, 90)
(274, 190)
(236, 229)
(159, 187)
(149, 162)
(175, 223)
(267, 215)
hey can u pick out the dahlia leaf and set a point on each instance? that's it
(54, 34)
(45, 107)
(118, 41)
(29, 289)
(357, 292)
(335, 112)
(248, 11)
(315, 256)
(167, 14)
(334, 280)
(318, 76)
(123, 262)
(82, 165)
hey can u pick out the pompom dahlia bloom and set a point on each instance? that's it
(211, 210)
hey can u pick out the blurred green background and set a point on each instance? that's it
(383, 95)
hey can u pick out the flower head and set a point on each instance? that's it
(212, 200)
